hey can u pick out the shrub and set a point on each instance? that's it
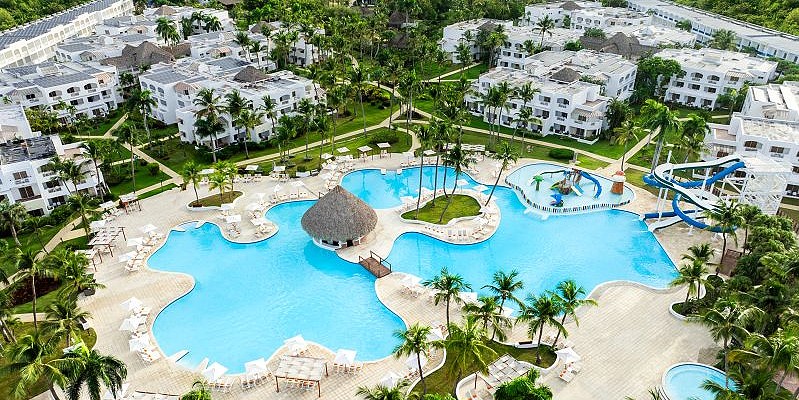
(301, 168)
(384, 136)
(562, 154)
(153, 169)
(60, 215)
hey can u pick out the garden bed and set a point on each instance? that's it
(216, 200)
(462, 206)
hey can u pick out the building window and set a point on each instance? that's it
(795, 170)
(26, 192)
(20, 175)
(751, 144)
(777, 149)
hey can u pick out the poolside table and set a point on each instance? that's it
(308, 369)
(384, 146)
(364, 150)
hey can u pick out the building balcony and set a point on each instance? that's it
(777, 155)
(55, 189)
(751, 149)
(21, 181)
(34, 197)
(561, 105)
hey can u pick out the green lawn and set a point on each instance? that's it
(462, 206)
(444, 379)
(42, 303)
(154, 192)
(374, 116)
(431, 69)
(29, 240)
(7, 381)
(143, 180)
(471, 73)
(99, 126)
(217, 199)
(173, 153)
(118, 152)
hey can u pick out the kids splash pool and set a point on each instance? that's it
(685, 381)
(248, 298)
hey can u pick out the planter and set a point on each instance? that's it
(675, 314)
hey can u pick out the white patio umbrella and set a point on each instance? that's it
(127, 256)
(435, 334)
(429, 153)
(232, 219)
(410, 280)
(297, 184)
(259, 221)
(131, 304)
(135, 241)
(97, 225)
(120, 393)
(390, 380)
(345, 357)
(226, 206)
(131, 324)
(568, 355)
(148, 228)
(277, 188)
(256, 366)
(326, 156)
(251, 167)
(139, 343)
(325, 176)
(330, 166)
(295, 343)
(214, 372)
(410, 362)
(343, 150)
(252, 207)
(107, 205)
(279, 168)
(480, 188)
(468, 297)
(207, 171)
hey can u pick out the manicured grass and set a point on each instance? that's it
(118, 152)
(7, 381)
(636, 178)
(431, 70)
(444, 379)
(99, 126)
(154, 192)
(42, 303)
(462, 206)
(217, 199)
(471, 73)
(173, 153)
(374, 116)
(143, 180)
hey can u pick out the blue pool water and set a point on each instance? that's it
(684, 381)
(249, 298)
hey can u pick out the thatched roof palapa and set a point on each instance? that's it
(339, 216)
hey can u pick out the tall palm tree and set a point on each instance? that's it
(70, 171)
(749, 214)
(727, 218)
(209, 128)
(571, 296)
(24, 261)
(211, 23)
(447, 288)
(458, 160)
(83, 205)
(243, 40)
(220, 181)
(503, 93)
(270, 110)
(11, 217)
(143, 102)
(505, 154)
(249, 120)
(199, 391)
(70, 268)
(467, 344)
(167, 31)
(308, 112)
(414, 341)
(378, 392)
(87, 368)
(358, 78)
(255, 48)
(191, 174)
(95, 149)
(425, 136)
(503, 285)
(186, 27)
(63, 317)
(527, 94)
(336, 97)
(692, 141)
(35, 225)
(544, 26)
(702, 252)
(541, 311)
(727, 320)
(627, 132)
(780, 351)
(658, 118)
(30, 357)
(691, 274)
(128, 134)
(441, 130)
(208, 103)
(723, 39)
(489, 313)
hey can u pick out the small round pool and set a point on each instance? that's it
(685, 381)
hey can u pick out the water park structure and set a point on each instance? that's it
(748, 180)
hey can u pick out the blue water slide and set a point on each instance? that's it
(658, 179)
(596, 182)
(713, 179)
(666, 214)
(688, 220)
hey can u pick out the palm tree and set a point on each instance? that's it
(256, 49)
(544, 26)
(30, 358)
(11, 217)
(780, 351)
(70, 171)
(7, 318)
(378, 392)
(358, 82)
(441, 133)
(209, 128)
(167, 30)
(694, 130)
(243, 40)
(84, 205)
(467, 344)
(458, 160)
(218, 180)
(191, 174)
(505, 154)
(726, 321)
(447, 288)
(571, 296)
(35, 224)
(489, 312)
(127, 133)
(95, 149)
(703, 252)
(425, 136)
(627, 132)
(539, 312)
(727, 218)
(414, 341)
(527, 94)
(749, 214)
(249, 120)
(24, 261)
(503, 285)
(229, 169)
(208, 104)
(84, 367)
(503, 94)
(142, 101)
(70, 268)
(199, 391)
(186, 27)
(658, 118)
(63, 318)
(211, 23)
(308, 112)
(723, 39)
(270, 110)
(691, 274)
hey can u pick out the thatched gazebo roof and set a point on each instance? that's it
(339, 216)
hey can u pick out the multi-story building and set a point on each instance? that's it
(583, 15)
(176, 14)
(301, 52)
(35, 42)
(710, 72)
(467, 32)
(558, 12)
(26, 176)
(773, 101)
(766, 42)
(614, 72)
(175, 86)
(90, 88)
(564, 105)
(655, 36)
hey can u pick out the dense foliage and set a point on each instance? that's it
(17, 12)
(782, 15)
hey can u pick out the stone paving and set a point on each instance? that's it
(627, 342)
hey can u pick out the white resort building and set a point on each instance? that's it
(35, 42)
(564, 106)
(767, 42)
(466, 32)
(90, 88)
(582, 15)
(175, 86)
(25, 176)
(711, 72)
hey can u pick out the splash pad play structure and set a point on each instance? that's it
(749, 180)
(557, 189)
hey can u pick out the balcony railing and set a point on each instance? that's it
(34, 197)
(54, 189)
(778, 155)
(561, 105)
(22, 180)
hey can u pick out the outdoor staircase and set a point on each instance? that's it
(375, 264)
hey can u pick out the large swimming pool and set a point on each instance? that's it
(249, 298)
